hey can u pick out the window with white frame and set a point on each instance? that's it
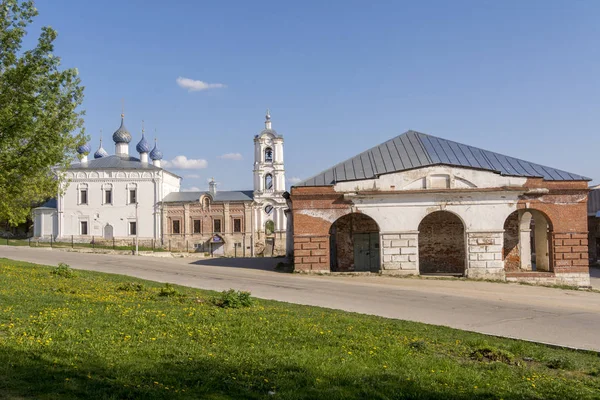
(83, 227)
(107, 194)
(132, 196)
(132, 228)
(82, 194)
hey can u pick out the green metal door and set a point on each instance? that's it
(362, 253)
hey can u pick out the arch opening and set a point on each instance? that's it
(268, 154)
(442, 244)
(268, 182)
(354, 244)
(527, 241)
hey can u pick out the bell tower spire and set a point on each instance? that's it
(268, 120)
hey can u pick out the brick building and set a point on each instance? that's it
(419, 204)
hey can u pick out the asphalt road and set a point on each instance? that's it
(562, 317)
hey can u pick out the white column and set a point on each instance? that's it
(541, 243)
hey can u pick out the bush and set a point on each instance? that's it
(559, 363)
(131, 287)
(168, 291)
(233, 299)
(418, 345)
(490, 354)
(63, 270)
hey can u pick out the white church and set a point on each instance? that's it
(120, 197)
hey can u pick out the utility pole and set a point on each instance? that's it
(137, 229)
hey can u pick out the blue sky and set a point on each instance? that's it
(517, 77)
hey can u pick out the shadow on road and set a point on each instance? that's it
(259, 263)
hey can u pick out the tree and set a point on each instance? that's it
(41, 122)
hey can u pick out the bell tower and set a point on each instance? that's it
(269, 183)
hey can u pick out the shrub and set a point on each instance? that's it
(131, 287)
(418, 345)
(168, 291)
(233, 299)
(63, 270)
(490, 354)
(559, 363)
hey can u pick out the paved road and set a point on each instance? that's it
(562, 317)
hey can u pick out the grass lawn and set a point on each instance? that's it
(101, 336)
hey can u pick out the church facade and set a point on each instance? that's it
(110, 196)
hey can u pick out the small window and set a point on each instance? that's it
(132, 196)
(268, 181)
(206, 202)
(132, 228)
(83, 197)
(84, 227)
(196, 226)
(108, 196)
(268, 154)
(237, 224)
(176, 227)
(217, 226)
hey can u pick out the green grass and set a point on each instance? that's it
(89, 335)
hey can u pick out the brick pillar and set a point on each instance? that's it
(400, 253)
(484, 255)
(311, 253)
(569, 252)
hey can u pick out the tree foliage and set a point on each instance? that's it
(41, 123)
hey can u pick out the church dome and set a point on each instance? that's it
(100, 152)
(84, 149)
(143, 146)
(122, 135)
(156, 154)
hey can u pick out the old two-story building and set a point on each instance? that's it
(419, 204)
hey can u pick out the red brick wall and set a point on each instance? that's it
(441, 243)
(570, 252)
(311, 253)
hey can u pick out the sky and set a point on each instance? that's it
(521, 78)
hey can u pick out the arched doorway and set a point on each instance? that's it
(526, 241)
(354, 244)
(108, 231)
(442, 244)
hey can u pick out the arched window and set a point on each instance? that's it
(206, 202)
(268, 154)
(268, 181)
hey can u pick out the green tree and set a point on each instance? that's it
(41, 123)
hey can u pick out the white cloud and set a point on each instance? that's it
(195, 86)
(232, 156)
(192, 176)
(294, 179)
(182, 162)
(191, 189)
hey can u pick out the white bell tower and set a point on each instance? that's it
(269, 180)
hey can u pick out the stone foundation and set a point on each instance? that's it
(484, 251)
(400, 253)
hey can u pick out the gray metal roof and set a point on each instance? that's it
(115, 162)
(234, 195)
(413, 150)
